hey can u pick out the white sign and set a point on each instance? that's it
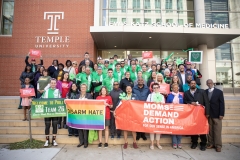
(53, 16)
(159, 24)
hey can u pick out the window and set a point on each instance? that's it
(147, 6)
(113, 5)
(157, 6)
(123, 5)
(112, 20)
(169, 20)
(124, 20)
(180, 5)
(168, 6)
(180, 21)
(158, 20)
(136, 5)
(148, 20)
(7, 17)
(216, 5)
(135, 20)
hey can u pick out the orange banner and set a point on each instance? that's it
(149, 117)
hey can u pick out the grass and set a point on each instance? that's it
(27, 144)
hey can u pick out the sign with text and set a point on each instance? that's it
(195, 56)
(85, 114)
(52, 107)
(27, 92)
(164, 88)
(147, 54)
(35, 53)
(149, 117)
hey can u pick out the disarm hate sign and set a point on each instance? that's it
(52, 107)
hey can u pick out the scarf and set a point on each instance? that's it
(176, 98)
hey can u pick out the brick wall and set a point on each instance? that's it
(29, 22)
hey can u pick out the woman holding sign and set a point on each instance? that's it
(103, 95)
(175, 98)
(52, 92)
(156, 97)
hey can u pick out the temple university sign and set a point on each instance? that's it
(52, 39)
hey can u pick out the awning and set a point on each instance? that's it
(174, 38)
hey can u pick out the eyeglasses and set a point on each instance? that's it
(155, 87)
(110, 72)
(116, 84)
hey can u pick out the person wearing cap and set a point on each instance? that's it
(117, 74)
(182, 74)
(86, 57)
(33, 63)
(108, 81)
(97, 82)
(123, 68)
(100, 61)
(105, 68)
(115, 57)
(190, 71)
(111, 64)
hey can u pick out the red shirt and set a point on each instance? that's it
(108, 100)
(65, 89)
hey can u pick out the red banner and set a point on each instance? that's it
(27, 92)
(147, 54)
(35, 53)
(149, 117)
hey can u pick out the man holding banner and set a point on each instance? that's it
(199, 98)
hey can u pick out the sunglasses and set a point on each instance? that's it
(115, 84)
(110, 72)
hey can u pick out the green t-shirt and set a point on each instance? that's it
(51, 93)
(145, 75)
(43, 81)
(87, 79)
(97, 78)
(111, 65)
(108, 82)
(133, 75)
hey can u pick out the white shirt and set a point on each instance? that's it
(183, 78)
(210, 89)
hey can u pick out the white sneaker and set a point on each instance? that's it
(54, 143)
(46, 143)
(151, 147)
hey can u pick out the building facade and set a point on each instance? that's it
(67, 29)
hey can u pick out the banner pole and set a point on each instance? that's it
(29, 120)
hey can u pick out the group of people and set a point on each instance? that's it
(106, 80)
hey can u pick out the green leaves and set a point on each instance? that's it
(157, 97)
(123, 96)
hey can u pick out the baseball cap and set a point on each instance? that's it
(106, 61)
(115, 55)
(99, 67)
(33, 59)
(188, 63)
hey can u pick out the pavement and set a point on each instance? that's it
(116, 152)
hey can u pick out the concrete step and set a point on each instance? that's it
(12, 116)
(64, 139)
(231, 123)
(20, 123)
(40, 130)
(232, 117)
(11, 111)
(234, 111)
(9, 105)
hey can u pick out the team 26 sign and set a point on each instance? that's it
(195, 56)
(52, 107)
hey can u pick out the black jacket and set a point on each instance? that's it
(30, 75)
(51, 70)
(200, 96)
(83, 63)
(180, 78)
(124, 83)
(55, 74)
(27, 63)
(115, 97)
(217, 106)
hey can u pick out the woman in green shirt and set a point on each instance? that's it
(43, 83)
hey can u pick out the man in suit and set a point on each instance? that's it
(182, 74)
(197, 97)
(216, 115)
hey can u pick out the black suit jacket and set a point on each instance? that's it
(217, 106)
(180, 78)
(200, 96)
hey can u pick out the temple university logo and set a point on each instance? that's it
(53, 16)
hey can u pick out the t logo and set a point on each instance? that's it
(53, 16)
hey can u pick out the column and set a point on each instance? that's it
(208, 66)
(199, 9)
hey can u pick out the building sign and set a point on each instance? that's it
(159, 24)
(195, 56)
(52, 39)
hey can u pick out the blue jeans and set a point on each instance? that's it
(176, 139)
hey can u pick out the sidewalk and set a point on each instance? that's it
(71, 152)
